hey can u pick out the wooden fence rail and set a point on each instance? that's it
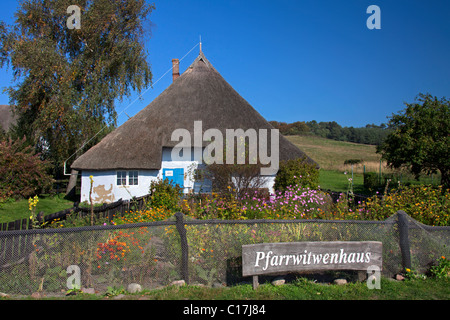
(110, 210)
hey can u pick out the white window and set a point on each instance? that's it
(133, 178)
(121, 178)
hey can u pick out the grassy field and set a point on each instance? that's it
(338, 181)
(301, 289)
(15, 210)
(308, 290)
(331, 154)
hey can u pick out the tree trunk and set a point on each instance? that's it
(72, 186)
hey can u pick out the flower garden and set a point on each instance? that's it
(208, 245)
(150, 254)
(426, 204)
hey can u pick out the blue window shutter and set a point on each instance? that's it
(175, 175)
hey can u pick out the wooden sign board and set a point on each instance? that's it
(271, 258)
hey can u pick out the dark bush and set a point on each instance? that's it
(372, 181)
(22, 172)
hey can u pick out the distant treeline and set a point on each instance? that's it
(370, 134)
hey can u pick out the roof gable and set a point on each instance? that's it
(199, 94)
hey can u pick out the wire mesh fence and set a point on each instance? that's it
(37, 260)
(198, 251)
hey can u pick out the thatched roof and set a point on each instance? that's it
(200, 93)
(7, 118)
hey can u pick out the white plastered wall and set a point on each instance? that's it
(106, 190)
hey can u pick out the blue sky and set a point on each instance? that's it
(301, 60)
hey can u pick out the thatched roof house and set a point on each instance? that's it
(137, 146)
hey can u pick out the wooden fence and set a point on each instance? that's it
(110, 210)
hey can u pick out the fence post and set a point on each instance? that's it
(404, 239)
(184, 246)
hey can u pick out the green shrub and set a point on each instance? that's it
(442, 269)
(426, 204)
(296, 172)
(372, 181)
(22, 172)
(164, 194)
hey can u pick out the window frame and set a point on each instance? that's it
(133, 178)
(123, 178)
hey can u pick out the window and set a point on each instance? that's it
(133, 178)
(121, 178)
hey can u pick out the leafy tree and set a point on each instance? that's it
(230, 176)
(68, 79)
(237, 179)
(296, 128)
(421, 138)
(370, 134)
(22, 172)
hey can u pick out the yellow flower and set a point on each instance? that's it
(408, 270)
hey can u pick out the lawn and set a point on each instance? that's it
(15, 210)
(301, 289)
(307, 290)
(338, 181)
(331, 155)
